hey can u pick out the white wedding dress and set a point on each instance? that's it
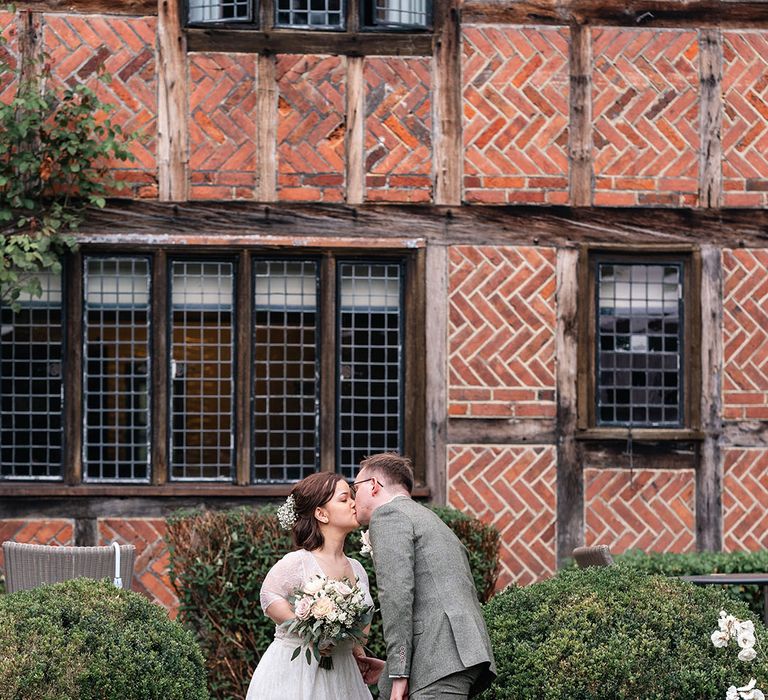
(277, 677)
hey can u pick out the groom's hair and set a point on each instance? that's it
(391, 468)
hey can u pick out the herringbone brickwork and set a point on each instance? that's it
(514, 489)
(8, 55)
(649, 509)
(81, 47)
(398, 129)
(501, 325)
(222, 126)
(745, 334)
(745, 493)
(515, 115)
(58, 531)
(745, 119)
(646, 117)
(311, 128)
(151, 565)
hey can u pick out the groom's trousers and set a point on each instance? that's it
(455, 686)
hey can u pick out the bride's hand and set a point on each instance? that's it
(370, 668)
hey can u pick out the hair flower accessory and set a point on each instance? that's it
(366, 550)
(286, 513)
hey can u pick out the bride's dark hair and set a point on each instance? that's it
(309, 494)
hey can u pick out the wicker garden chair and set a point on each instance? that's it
(31, 565)
(593, 556)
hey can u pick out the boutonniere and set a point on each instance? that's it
(366, 550)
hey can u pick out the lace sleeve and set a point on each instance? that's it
(283, 578)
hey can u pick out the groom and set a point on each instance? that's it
(437, 643)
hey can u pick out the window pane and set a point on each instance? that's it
(639, 344)
(218, 10)
(322, 14)
(400, 13)
(31, 385)
(117, 369)
(201, 370)
(370, 351)
(285, 366)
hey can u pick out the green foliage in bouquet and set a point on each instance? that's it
(88, 640)
(618, 634)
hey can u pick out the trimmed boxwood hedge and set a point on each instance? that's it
(614, 633)
(705, 563)
(87, 640)
(218, 561)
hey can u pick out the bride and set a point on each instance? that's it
(322, 516)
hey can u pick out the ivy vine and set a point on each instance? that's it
(55, 145)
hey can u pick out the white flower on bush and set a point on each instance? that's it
(749, 692)
(732, 693)
(728, 623)
(744, 632)
(745, 640)
(747, 654)
(720, 639)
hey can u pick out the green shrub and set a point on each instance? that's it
(88, 640)
(705, 563)
(618, 634)
(218, 561)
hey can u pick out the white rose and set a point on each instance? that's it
(745, 639)
(314, 585)
(746, 626)
(719, 639)
(749, 692)
(342, 588)
(732, 693)
(303, 608)
(728, 623)
(747, 654)
(322, 608)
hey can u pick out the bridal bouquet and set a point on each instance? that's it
(327, 612)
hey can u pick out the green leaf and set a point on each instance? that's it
(296, 652)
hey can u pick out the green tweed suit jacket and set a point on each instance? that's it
(433, 624)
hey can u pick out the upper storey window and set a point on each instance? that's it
(316, 14)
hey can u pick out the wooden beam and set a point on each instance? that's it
(446, 85)
(136, 8)
(501, 431)
(709, 475)
(73, 373)
(355, 141)
(581, 174)
(308, 42)
(628, 13)
(570, 480)
(266, 136)
(327, 347)
(30, 45)
(159, 462)
(711, 118)
(243, 448)
(172, 104)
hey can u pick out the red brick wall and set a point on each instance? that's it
(745, 493)
(311, 128)
(398, 129)
(222, 126)
(58, 531)
(151, 565)
(647, 509)
(513, 488)
(501, 314)
(745, 119)
(745, 334)
(646, 117)
(515, 114)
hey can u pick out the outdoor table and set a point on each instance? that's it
(760, 579)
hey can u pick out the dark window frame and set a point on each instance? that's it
(690, 260)
(413, 408)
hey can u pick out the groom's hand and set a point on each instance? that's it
(370, 667)
(399, 689)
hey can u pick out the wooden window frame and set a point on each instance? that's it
(413, 365)
(261, 35)
(690, 258)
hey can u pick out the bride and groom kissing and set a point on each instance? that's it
(436, 640)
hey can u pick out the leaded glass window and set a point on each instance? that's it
(639, 353)
(205, 11)
(400, 13)
(31, 388)
(117, 369)
(202, 370)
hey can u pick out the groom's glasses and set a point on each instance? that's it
(353, 486)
